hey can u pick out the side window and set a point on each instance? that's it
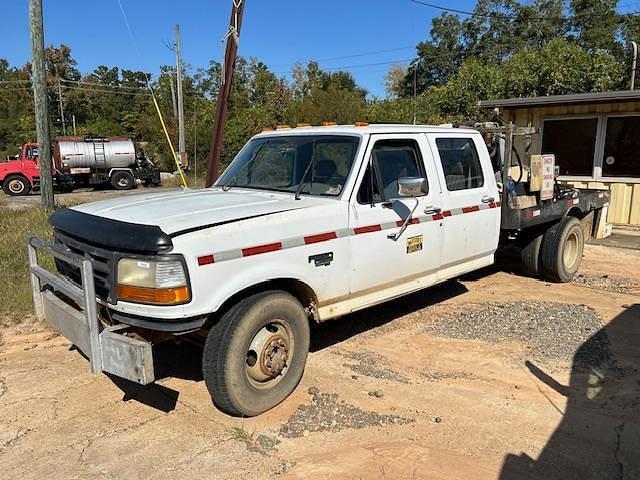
(460, 163)
(391, 160)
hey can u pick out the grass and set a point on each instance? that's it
(15, 288)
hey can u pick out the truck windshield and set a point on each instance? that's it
(316, 165)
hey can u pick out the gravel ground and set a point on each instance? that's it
(372, 365)
(550, 330)
(326, 413)
(440, 376)
(610, 283)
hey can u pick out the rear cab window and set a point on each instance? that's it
(460, 163)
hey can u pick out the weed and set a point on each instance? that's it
(15, 288)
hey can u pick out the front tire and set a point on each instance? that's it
(254, 357)
(16, 185)
(561, 250)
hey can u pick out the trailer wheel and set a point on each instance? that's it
(16, 185)
(530, 254)
(123, 180)
(255, 355)
(561, 252)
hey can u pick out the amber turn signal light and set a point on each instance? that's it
(164, 296)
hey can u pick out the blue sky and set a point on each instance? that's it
(278, 32)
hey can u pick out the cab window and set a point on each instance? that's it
(460, 163)
(391, 160)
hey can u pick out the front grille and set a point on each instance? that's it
(103, 261)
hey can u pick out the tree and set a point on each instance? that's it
(394, 79)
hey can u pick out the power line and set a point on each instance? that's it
(350, 67)
(365, 54)
(501, 16)
(104, 90)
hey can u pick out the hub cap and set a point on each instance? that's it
(268, 354)
(16, 186)
(123, 182)
(570, 255)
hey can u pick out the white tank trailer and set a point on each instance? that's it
(101, 160)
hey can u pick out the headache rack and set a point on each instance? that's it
(70, 307)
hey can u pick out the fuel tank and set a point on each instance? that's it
(90, 155)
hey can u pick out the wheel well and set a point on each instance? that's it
(300, 290)
(14, 175)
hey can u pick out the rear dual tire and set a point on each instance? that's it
(555, 253)
(123, 180)
(254, 357)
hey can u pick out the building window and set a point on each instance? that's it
(573, 142)
(622, 147)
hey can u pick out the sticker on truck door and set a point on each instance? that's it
(414, 244)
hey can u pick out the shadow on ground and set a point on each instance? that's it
(599, 435)
(184, 360)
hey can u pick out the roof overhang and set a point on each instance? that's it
(572, 99)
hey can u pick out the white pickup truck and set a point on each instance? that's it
(305, 225)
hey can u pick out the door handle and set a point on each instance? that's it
(488, 199)
(431, 210)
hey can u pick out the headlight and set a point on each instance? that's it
(162, 282)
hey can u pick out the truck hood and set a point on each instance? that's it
(185, 211)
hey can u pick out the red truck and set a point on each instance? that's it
(80, 161)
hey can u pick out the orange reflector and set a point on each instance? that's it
(361, 124)
(303, 125)
(282, 127)
(267, 129)
(165, 296)
(329, 124)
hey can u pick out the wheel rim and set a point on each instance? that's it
(269, 354)
(123, 182)
(571, 251)
(16, 186)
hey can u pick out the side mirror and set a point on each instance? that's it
(412, 186)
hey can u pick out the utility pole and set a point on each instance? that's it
(222, 105)
(64, 127)
(73, 117)
(39, 80)
(173, 97)
(182, 155)
(633, 65)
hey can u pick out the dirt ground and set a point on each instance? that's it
(80, 195)
(381, 397)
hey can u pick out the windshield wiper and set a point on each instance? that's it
(304, 175)
(232, 181)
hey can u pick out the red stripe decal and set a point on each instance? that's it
(367, 229)
(270, 247)
(475, 208)
(492, 205)
(446, 213)
(322, 237)
(413, 221)
(205, 260)
(437, 216)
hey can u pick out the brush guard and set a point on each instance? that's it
(108, 348)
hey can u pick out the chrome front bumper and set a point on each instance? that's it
(109, 349)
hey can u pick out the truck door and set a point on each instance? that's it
(470, 201)
(382, 266)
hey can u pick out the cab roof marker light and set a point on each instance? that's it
(282, 127)
(329, 124)
(361, 124)
(303, 125)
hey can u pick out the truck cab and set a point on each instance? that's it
(21, 175)
(305, 225)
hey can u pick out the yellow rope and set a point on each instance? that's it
(166, 134)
